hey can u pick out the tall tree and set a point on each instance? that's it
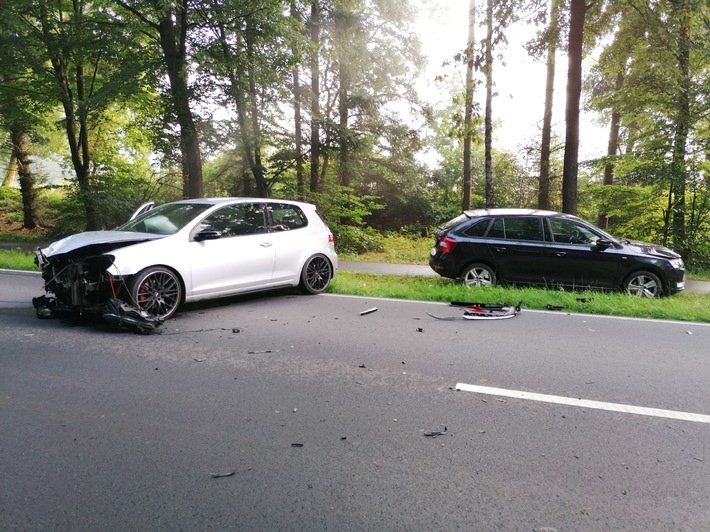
(469, 105)
(551, 39)
(578, 11)
(168, 23)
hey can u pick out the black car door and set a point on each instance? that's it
(519, 249)
(575, 258)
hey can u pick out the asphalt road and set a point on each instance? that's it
(318, 416)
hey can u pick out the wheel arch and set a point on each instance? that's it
(183, 295)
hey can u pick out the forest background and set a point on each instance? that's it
(105, 104)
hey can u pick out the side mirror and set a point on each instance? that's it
(207, 234)
(602, 243)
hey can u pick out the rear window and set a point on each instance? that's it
(285, 217)
(478, 228)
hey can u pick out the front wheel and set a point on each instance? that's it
(157, 291)
(316, 275)
(479, 275)
(643, 284)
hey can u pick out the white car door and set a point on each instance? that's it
(241, 259)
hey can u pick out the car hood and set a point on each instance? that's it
(651, 249)
(111, 239)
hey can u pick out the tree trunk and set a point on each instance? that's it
(297, 118)
(262, 187)
(468, 111)
(21, 152)
(543, 196)
(612, 147)
(489, 106)
(682, 128)
(314, 27)
(574, 91)
(175, 55)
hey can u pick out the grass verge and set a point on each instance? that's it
(682, 307)
(17, 259)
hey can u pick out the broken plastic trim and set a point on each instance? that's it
(483, 311)
(120, 313)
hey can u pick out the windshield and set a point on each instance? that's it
(167, 219)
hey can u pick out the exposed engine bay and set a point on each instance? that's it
(78, 282)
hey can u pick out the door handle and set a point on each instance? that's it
(561, 253)
(500, 250)
(266, 244)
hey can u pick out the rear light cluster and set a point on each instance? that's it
(446, 244)
(331, 240)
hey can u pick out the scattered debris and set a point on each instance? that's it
(120, 313)
(262, 352)
(368, 311)
(555, 307)
(361, 366)
(296, 445)
(688, 332)
(222, 475)
(585, 299)
(419, 329)
(435, 433)
(483, 311)
(199, 359)
(236, 330)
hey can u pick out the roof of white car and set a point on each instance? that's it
(513, 212)
(218, 201)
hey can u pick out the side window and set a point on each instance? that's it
(478, 228)
(497, 229)
(523, 228)
(570, 232)
(285, 217)
(517, 228)
(237, 220)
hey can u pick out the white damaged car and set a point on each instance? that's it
(187, 251)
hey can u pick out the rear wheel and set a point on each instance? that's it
(643, 284)
(316, 275)
(157, 291)
(478, 275)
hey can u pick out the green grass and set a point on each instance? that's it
(682, 307)
(397, 249)
(17, 259)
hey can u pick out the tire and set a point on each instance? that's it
(643, 284)
(316, 275)
(157, 291)
(479, 275)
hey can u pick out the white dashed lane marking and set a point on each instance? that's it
(584, 403)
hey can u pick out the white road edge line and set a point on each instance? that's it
(584, 403)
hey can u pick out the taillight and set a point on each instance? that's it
(331, 240)
(447, 245)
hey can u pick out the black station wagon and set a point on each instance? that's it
(522, 246)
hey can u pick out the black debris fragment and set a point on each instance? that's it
(585, 299)
(236, 330)
(296, 445)
(419, 329)
(361, 366)
(435, 433)
(368, 311)
(555, 307)
(222, 475)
